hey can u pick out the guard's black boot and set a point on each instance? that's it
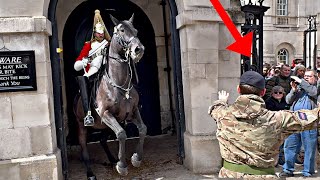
(83, 85)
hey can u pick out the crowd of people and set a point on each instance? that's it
(294, 88)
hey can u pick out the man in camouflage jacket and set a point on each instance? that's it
(249, 135)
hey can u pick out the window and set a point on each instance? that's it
(282, 12)
(282, 7)
(283, 56)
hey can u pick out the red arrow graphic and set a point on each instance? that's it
(242, 45)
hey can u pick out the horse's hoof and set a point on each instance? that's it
(92, 178)
(135, 160)
(122, 171)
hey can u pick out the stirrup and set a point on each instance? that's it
(88, 120)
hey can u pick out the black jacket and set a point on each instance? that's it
(277, 81)
(274, 105)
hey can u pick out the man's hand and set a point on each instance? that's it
(223, 95)
(296, 78)
(85, 61)
(294, 86)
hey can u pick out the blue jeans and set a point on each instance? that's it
(292, 147)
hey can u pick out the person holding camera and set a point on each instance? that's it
(303, 95)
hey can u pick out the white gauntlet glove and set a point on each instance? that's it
(79, 65)
(85, 61)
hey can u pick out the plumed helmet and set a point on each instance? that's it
(99, 26)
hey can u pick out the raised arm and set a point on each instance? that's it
(215, 109)
(311, 90)
(291, 96)
(293, 122)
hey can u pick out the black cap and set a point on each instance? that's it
(253, 78)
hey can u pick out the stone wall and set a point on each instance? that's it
(28, 148)
(207, 67)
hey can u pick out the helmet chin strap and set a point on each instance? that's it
(99, 39)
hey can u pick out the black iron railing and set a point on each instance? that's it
(253, 23)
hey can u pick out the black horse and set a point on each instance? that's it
(116, 98)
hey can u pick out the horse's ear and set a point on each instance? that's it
(114, 20)
(131, 19)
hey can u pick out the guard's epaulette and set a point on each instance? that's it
(87, 42)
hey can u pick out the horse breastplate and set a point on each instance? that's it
(97, 49)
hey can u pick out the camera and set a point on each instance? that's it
(292, 80)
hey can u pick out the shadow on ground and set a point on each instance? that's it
(160, 161)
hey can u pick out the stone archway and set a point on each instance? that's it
(78, 29)
(64, 10)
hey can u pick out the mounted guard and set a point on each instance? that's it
(116, 98)
(90, 60)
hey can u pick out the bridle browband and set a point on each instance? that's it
(124, 43)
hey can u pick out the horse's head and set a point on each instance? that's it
(126, 36)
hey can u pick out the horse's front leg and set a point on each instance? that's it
(137, 157)
(104, 144)
(111, 122)
(82, 135)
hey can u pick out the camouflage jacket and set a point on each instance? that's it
(250, 134)
(277, 81)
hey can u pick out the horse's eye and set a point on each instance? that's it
(122, 30)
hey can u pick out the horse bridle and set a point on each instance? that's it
(125, 45)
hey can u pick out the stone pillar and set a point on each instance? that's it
(206, 68)
(28, 148)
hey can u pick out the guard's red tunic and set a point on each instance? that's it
(84, 53)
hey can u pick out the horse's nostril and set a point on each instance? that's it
(137, 50)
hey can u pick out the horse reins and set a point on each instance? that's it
(125, 45)
(127, 90)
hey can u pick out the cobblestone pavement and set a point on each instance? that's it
(160, 162)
